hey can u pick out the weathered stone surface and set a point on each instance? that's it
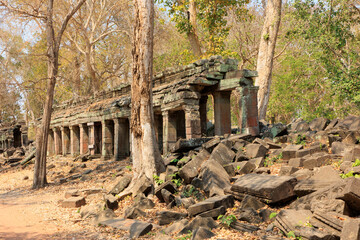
(176, 226)
(190, 170)
(123, 182)
(202, 233)
(350, 230)
(214, 177)
(350, 139)
(226, 201)
(143, 203)
(317, 160)
(214, 213)
(167, 196)
(167, 217)
(314, 233)
(246, 167)
(73, 202)
(337, 147)
(249, 215)
(330, 205)
(319, 124)
(331, 222)
(210, 145)
(133, 213)
(287, 220)
(287, 170)
(296, 162)
(251, 202)
(183, 145)
(269, 188)
(197, 222)
(290, 151)
(222, 154)
(302, 152)
(258, 162)
(169, 186)
(138, 229)
(256, 150)
(243, 227)
(72, 193)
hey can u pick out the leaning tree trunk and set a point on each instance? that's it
(266, 54)
(192, 35)
(42, 134)
(146, 156)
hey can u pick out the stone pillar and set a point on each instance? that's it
(66, 138)
(169, 131)
(121, 138)
(203, 114)
(51, 144)
(222, 113)
(248, 110)
(74, 140)
(84, 139)
(57, 141)
(91, 132)
(192, 122)
(107, 140)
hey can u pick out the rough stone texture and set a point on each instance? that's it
(251, 202)
(249, 215)
(287, 220)
(167, 217)
(287, 170)
(169, 186)
(214, 213)
(73, 202)
(133, 213)
(214, 177)
(111, 202)
(317, 160)
(290, 151)
(296, 162)
(226, 201)
(255, 150)
(350, 230)
(123, 182)
(269, 188)
(331, 222)
(319, 124)
(190, 170)
(176, 226)
(197, 222)
(138, 229)
(222, 154)
(202, 233)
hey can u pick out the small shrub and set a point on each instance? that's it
(227, 219)
(356, 163)
(157, 180)
(272, 215)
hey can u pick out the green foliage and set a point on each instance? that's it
(291, 234)
(129, 168)
(227, 219)
(157, 179)
(349, 174)
(190, 192)
(300, 140)
(175, 160)
(272, 215)
(270, 161)
(177, 182)
(356, 163)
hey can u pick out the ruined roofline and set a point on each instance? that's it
(213, 64)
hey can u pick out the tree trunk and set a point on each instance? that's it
(192, 35)
(146, 156)
(43, 132)
(266, 54)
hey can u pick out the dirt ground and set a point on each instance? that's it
(37, 214)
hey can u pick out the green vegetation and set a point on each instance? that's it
(272, 215)
(157, 180)
(356, 163)
(270, 161)
(349, 174)
(187, 236)
(300, 140)
(227, 219)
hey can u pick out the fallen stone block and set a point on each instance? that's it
(202, 233)
(296, 162)
(319, 124)
(302, 153)
(139, 229)
(226, 201)
(133, 213)
(197, 222)
(290, 151)
(210, 145)
(317, 160)
(269, 188)
(176, 226)
(214, 213)
(249, 215)
(251, 202)
(169, 186)
(222, 154)
(350, 230)
(73, 202)
(191, 169)
(287, 170)
(72, 193)
(329, 221)
(167, 217)
(135, 227)
(288, 219)
(184, 145)
(123, 182)
(256, 150)
(111, 202)
(243, 227)
(258, 162)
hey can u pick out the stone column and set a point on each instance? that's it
(74, 140)
(169, 131)
(51, 144)
(121, 138)
(84, 139)
(65, 137)
(91, 131)
(203, 114)
(107, 140)
(192, 122)
(222, 113)
(248, 110)
(57, 141)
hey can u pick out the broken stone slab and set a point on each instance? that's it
(143, 203)
(256, 150)
(319, 124)
(222, 154)
(72, 193)
(314, 233)
(190, 170)
(73, 202)
(214, 178)
(197, 222)
(169, 186)
(242, 136)
(352, 154)
(350, 230)
(214, 213)
(302, 153)
(167, 217)
(226, 201)
(251, 202)
(288, 219)
(296, 162)
(184, 145)
(331, 222)
(243, 227)
(287, 170)
(317, 160)
(135, 227)
(258, 162)
(330, 205)
(249, 215)
(351, 195)
(176, 226)
(245, 167)
(290, 151)
(111, 202)
(240, 156)
(133, 213)
(269, 188)
(167, 196)
(210, 145)
(202, 233)
(262, 142)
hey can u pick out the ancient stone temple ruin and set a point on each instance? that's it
(100, 124)
(13, 135)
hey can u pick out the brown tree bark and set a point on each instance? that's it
(192, 35)
(266, 54)
(53, 46)
(147, 160)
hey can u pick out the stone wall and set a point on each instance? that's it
(100, 124)
(13, 135)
